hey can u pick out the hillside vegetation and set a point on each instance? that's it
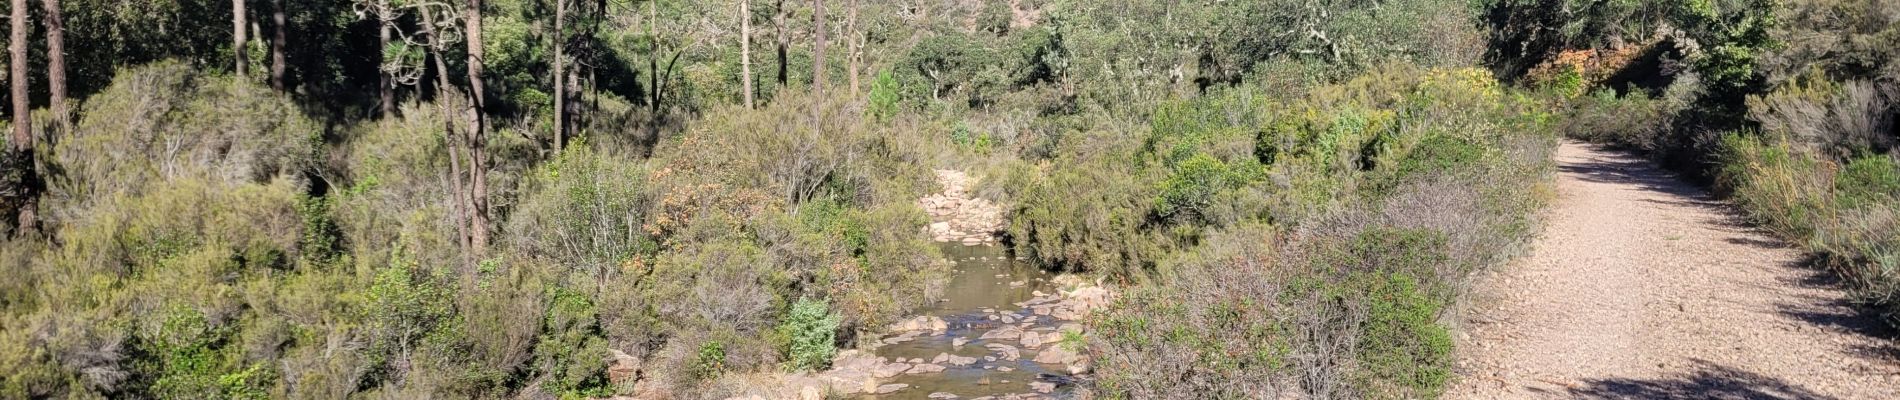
(563, 199)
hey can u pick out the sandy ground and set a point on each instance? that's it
(1642, 287)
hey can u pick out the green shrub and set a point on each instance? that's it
(1868, 181)
(1235, 319)
(1634, 121)
(1218, 326)
(1191, 188)
(710, 361)
(894, 259)
(1396, 282)
(1569, 83)
(1441, 154)
(185, 363)
(969, 139)
(1779, 185)
(1405, 353)
(1089, 216)
(884, 96)
(168, 120)
(1383, 193)
(320, 244)
(812, 332)
(403, 309)
(570, 352)
(581, 211)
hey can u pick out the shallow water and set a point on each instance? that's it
(985, 282)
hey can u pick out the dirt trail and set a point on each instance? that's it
(1643, 287)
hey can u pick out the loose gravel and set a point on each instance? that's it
(1644, 287)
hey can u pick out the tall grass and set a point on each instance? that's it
(1843, 210)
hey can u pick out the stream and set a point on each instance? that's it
(996, 316)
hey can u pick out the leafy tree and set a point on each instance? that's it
(1732, 41)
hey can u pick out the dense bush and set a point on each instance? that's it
(175, 223)
(166, 121)
(1337, 282)
(239, 260)
(811, 332)
(1303, 197)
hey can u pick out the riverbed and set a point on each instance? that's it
(998, 317)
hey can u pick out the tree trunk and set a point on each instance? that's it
(778, 20)
(745, 50)
(237, 37)
(560, 74)
(818, 49)
(852, 39)
(56, 65)
(593, 56)
(458, 194)
(571, 87)
(22, 117)
(653, 61)
(653, 78)
(387, 86)
(16, 49)
(277, 45)
(477, 135)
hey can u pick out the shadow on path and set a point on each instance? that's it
(1625, 169)
(1839, 314)
(1705, 380)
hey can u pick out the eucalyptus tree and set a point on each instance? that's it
(56, 65)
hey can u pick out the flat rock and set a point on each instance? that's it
(1005, 352)
(1057, 355)
(952, 359)
(1042, 387)
(890, 370)
(921, 323)
(1006, 332)
(854, 360)
(924, 368)
(1032, 340)
(960, 360)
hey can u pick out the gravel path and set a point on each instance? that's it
(1642, 287)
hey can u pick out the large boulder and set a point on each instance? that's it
(622, 367)
(1057, 355)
